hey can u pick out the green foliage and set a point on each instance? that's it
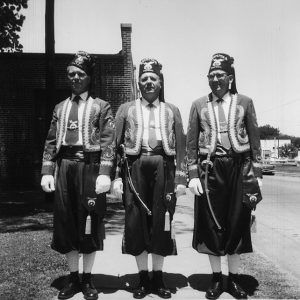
(288, 150)
(11, 21)
(296, 142)
(268, 132)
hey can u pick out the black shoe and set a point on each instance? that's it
(141, 292)
(216, 286)
(234, 289)
(158, 286)
(89, 291)
(162, 292)
(144, 287)
(69, 290)
(87, 287)
(215, 290)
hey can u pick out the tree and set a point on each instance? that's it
(296, 142)
(268, 132)
(288, 150)
(11, 21)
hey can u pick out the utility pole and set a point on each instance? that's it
(50, 69)
(50, 59)
(278, 142)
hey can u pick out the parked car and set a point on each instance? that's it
(268, 169)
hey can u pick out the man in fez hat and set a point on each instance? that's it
(149, 138)
(223, 152)
(77, 162)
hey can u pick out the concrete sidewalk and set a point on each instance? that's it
(187, 274)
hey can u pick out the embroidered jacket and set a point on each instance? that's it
(242, 130)
(98, 133)
(129, 132)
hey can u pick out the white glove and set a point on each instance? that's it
(180, 190)
(47, 183)
(260, 183)
(117, 188)
(195, 186)
(102, 184)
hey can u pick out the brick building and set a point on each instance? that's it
(24, 111)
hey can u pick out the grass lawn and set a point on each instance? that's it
(266, 279)
(287, 169)
(30, 269)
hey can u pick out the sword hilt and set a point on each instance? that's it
(205, 162)
(122, 147)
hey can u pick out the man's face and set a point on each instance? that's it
(78, 79)
(150, 86)
(219, 82)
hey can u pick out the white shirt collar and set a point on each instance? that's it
(155, 102)
(226, 97)
(83, 96)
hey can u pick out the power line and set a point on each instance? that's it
(278, 106)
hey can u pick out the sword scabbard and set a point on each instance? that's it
(208, 163)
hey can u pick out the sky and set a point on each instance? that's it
(263, 36)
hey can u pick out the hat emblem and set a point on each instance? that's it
(148, 66)
(217, 63)
(80, 59)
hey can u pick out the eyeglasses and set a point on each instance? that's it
(218, 75)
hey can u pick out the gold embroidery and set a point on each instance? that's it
(192, 167)
(62, 124)
(139, 135)
(164, 130)
(180, 173)
(234, 123)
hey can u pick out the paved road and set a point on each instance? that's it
(278, 225)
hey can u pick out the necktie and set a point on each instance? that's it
(72, 126)
(223, 125)
(152, 141)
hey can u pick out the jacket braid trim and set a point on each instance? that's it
(213, 130)
(140, 126)
(163, 130)
(232, 120)
(86, 123)
(62, 124)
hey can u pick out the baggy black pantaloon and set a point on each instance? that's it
(225, 185)
(150, 175)
(74, 178)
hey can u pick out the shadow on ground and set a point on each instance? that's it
(25, 211)
(201, 282)
(33, 210)
(108, 284)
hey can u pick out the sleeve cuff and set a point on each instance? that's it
(193, 171)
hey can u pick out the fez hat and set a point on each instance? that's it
(153, 66)
(224, 62)
(150, 65)
(83, 61)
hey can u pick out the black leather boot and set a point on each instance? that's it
(233, 287)
(87, 287)
(216, 286)
(144, 286)
(71, 288)
(159, 286)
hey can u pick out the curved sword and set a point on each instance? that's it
(129, 179)
(208, 164)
